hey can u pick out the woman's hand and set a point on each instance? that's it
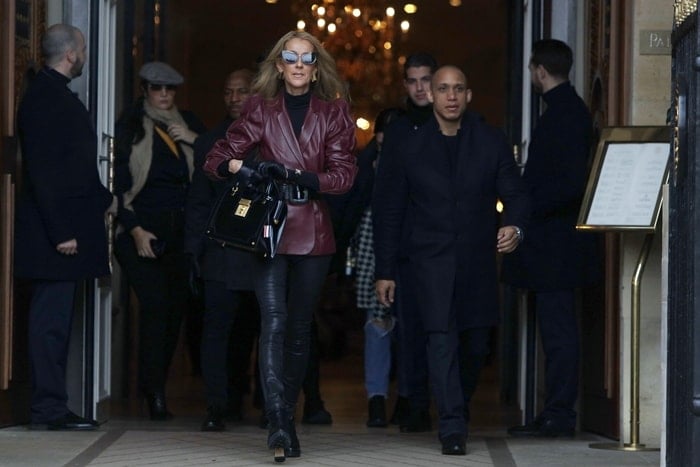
(181, 133)
(273, 169)
(112, 209)
(142, 239)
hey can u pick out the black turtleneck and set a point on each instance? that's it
(57, 75)
(297, 106)
(418, 114)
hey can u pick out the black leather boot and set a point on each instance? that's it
(157, 408)
(377, 412)
(278, 437)
(294, 449)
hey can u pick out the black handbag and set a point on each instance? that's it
(249, 217)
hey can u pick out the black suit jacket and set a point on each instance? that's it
(442, 219)
(62, 196)
(229, 265)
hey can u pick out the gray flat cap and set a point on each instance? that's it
(160, 73)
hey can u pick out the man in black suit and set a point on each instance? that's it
(227, 276)
(438, 190)
(556, 258)
(60, 236)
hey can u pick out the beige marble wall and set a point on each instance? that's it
(648, 103)
(651, 74)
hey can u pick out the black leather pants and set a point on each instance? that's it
(288, 288)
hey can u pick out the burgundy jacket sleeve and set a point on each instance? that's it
(340, 163)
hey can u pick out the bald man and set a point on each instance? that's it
(438, 189)
(60, 236)
(225, 272)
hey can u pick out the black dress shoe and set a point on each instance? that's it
(71, 422)
(542, 427)
(316, 414)
(401, 410)
(234, 410)
(214, 421)
(454, 445)
(157, 408)
(417, 421)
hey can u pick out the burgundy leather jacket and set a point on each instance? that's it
(324, 147)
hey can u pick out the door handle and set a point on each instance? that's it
(110, 186)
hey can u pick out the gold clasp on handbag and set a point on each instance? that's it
(243, 207)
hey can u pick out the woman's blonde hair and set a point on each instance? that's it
(328, 85)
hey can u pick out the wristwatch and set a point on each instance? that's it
(518, 233)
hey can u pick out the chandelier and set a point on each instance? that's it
(367, 39)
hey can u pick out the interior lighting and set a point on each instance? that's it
(363, 124)
(410, 8)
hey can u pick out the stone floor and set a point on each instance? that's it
(128, 438)
(132, 442)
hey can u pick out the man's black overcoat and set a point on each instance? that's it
(447, 218)
(229, 265)
(62, 196)
(555, 256)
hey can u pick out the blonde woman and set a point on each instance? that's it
(299, 119)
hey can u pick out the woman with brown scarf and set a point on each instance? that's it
(153, 169)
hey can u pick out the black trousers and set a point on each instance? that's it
(221, 307)
(412, 359)
(288, 288)
(556, 318)
(474, 348)
(161, 286)
(443, 366)
(50, 318)
(242, 339)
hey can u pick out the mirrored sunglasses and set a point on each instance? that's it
(290, 57)
(160, 87)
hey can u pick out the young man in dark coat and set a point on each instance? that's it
(412, 411)
(60, 236)
(555, 258)
(438, 190)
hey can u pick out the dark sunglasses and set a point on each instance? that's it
(160, 87)
(290, 57)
